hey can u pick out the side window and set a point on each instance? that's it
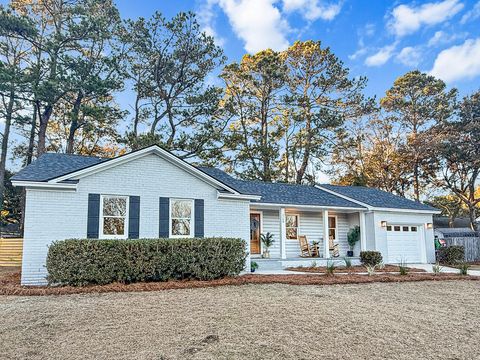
(113, 217)
(292, 226)
(181, 218)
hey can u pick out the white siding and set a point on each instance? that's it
(57, 215)
(310, 225)
(271, 224)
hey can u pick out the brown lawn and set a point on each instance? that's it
(411, 320)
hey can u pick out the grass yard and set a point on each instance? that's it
(413, 320)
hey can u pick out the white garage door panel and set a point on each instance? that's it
(404, 246)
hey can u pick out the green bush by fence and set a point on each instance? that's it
(82, 262)
(371, 258)
(451, 255)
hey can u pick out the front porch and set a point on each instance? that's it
(288, 224)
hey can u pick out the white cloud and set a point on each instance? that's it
(472, 14)
(258, 23)
(410, 56)
(441, 37)
(381, 56)
(458, 62)
(206, 17)
(406, 19)
(313, 9)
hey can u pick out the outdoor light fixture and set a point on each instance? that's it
(383, 224)
(429, 226)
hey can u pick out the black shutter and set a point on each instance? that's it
(93, 216)
(134, 217)
(164, 211)
(199, 218)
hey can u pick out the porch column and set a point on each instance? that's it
(283, 233)
(363, 231)
(326, 242)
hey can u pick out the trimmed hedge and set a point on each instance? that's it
(83, 262)
(371, 258)
(451, 255)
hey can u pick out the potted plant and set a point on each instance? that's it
(253, 266)
(267, 241)
(352, 238)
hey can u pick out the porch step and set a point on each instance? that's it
(280, 264)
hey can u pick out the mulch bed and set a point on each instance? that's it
(10, 283)
(351, 270)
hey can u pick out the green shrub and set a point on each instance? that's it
(463, 268)
(82, 262)
(371, 258)
(330, 267)
(348, 262)
(403, 268)
(451, 255)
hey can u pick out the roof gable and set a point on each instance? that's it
(63, 169)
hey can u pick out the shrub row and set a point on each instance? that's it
(451, 255)
(82, 262)
(371, 258)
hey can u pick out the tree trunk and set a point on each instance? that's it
(306, 154)
(3, 156)
(74, 125)
(472, 214)
(33, 128)
(42, 130)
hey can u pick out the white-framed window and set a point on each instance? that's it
(292, 221)
(113, 217)
(332, 227)
(181, 218)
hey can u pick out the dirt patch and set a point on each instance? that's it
(427, 320)
(351, 270)
(10, 283)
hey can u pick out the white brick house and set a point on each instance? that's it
(150, 193)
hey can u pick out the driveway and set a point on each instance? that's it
(427, 320)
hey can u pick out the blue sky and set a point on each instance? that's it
(378, 39)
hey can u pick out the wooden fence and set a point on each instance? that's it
(11, 251)
(471, 245)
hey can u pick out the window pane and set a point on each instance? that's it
(396, 228)
(414, 228)
(405, 228)
(113, 226)
(389, 228)
(292, 233)
(292, 221)
(332, 222)
(180, 227)
(114, 206)
(181, 208)
(331, 234)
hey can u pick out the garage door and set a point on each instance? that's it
(403, 244)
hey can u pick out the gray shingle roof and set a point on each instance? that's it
(377, 198)
(280, 193)
(51, 165)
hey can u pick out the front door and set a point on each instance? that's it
(255, 233)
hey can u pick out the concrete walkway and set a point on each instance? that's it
(444, 269)
(427, 267)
